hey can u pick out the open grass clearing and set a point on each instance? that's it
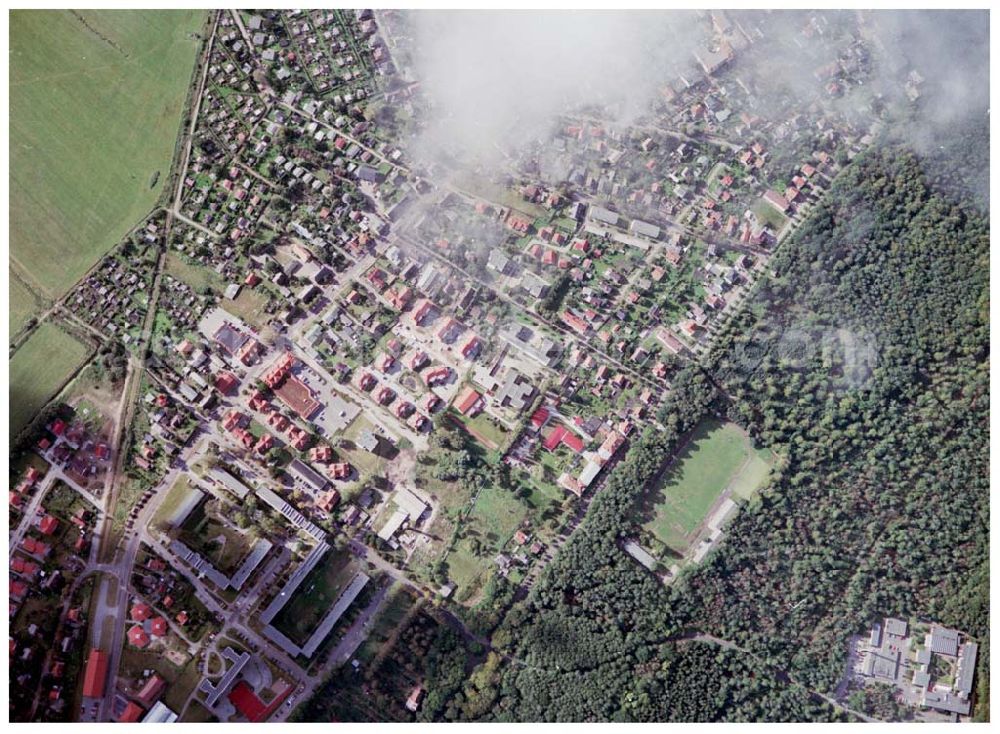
(195, 275)
(767, 214)
(96, 98)
(249, 306)
(39, 369)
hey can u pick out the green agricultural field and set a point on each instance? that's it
(96, 99)
(718, 457)
(23, 304)
(38, 370)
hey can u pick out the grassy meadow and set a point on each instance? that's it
(95, 107)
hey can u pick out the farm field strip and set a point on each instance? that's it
(38, 371)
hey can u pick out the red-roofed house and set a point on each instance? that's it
(158, 626)
(574, 322)
(539, 418)
(469, 402)
(776, 200)
(140, 612)
(573, 442)
(417, 360)
(321, 454)
(340, 470)
(554, 438)
(264, 444)
(471, 347)
(328, 500)
(226, 382)
(420, 311)
(48, 525)
(137, 637)
(151, 690)
(131, 713)
(437, 375)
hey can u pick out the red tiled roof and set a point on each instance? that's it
(554, 438)
(158, 627)
(95, 674)
(137, 636)
(48, 525)
(246, 701)
(131, 713)
(467, 400)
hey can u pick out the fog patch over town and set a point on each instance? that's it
(496, 81)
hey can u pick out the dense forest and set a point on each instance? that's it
(863, 360)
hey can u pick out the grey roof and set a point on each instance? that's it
(250, 563)
(516, 390)
(921, 678)
(876, 637)
(895, 627)
(307, 474)
(290, 513)
(644, 228)
(943, 641)
(603, 215)
(297, 577)
(230, 338)
(160, 714)
(886, 665)
(410, 503)
(367, 173)
(944, 701)
(498, 261)
(966, 668)
(640, 554)
(230, 482)
(533, 284)
(215, 691)
(368, 441)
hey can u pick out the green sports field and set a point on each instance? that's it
(718, 456)
(38, 369)
(95, 107)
